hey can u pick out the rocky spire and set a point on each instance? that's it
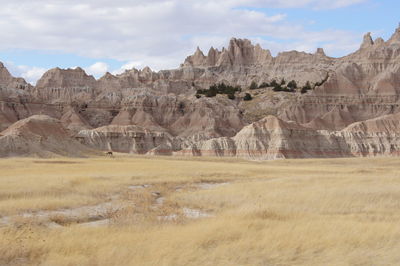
(367, 42)
(234, 51)
(198, 52)
(224, 58)
(5, 76)
(261, 56)
(212, 57)
(7, 80)
(147, 69)
(108, 75)
(320, 51)
(197, 59)
(241, 52)
(395, 37)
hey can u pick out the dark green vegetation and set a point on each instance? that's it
(247, 97)
(230, 91)
(219, 88)
(253, 86)
(306, 87)
(289, 87)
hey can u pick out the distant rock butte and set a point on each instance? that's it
(351, 111)
(40, 135)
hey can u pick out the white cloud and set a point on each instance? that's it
(30, 73)
(316, 4)
(97, 69)
(158, 33)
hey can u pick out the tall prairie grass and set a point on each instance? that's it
(288, 212)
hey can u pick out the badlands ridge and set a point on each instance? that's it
(350, 107)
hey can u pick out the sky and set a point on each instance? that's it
(111, 36)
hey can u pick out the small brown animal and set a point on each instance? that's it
(109, 153)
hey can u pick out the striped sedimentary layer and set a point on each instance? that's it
(272, 138)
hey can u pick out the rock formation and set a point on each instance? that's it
(39, 135)
(147, 112)
(8, 81)
(127, 139)
(272, 138)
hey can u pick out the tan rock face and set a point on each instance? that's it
(65, 78)
(128, 139)
(272, 138)
(9, 82)
(39, 135)
(363, 86)
(387, 124)
(335, 119)
(367, 42)
(269, 138)
(395, 39)
(74, 121)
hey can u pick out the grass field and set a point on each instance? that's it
(199, 211)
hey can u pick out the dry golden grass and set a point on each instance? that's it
(289, 212)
